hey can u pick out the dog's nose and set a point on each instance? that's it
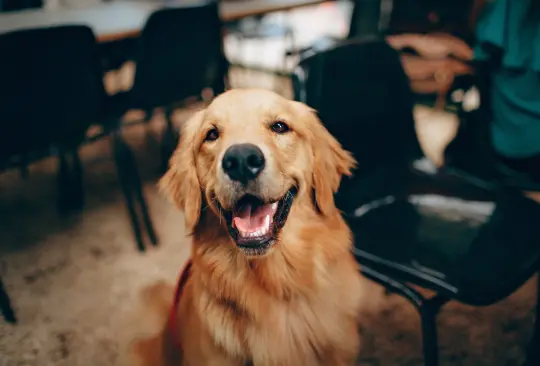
(243, 162)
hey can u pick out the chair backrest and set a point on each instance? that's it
(51, 88)
(179, 54)
(365, 18)
(16, 5)
(363, 97)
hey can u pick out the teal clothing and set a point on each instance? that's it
(506, 29)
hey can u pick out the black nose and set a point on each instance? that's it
(243, 162)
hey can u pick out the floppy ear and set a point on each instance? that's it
(330, 163)
(180, 182)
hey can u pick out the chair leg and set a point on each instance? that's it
(70, 182)
(428, 309)
(123, 159)
(139, 196)
(77, 180)
(62, 183)
(146, 218)
(5, 305)
(533, 356)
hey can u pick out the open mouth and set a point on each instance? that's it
(254, 224)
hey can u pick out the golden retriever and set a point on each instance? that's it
(273, 281)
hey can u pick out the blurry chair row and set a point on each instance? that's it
(52, 95)
(462, 236)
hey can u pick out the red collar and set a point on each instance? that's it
(182, 280)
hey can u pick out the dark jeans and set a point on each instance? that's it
(528, 166)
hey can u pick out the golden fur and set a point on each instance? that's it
(299, 303)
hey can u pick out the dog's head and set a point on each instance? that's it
(248, 158)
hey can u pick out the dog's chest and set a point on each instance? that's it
(295, 332)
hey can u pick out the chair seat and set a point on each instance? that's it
(446, 233)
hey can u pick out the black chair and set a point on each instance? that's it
(453, 234)
(178, 55)
(51, 93)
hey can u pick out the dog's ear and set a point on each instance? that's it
(180, 182)
(330, 163)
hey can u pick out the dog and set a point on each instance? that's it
(272, 280)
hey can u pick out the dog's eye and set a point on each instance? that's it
(212, 135)
(280, 127)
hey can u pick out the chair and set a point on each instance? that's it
(52, 92)
(178, 55)
(457, 236)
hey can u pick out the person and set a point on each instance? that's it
(508, 37)
(508, 42)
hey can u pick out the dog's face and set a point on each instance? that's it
(248, 157)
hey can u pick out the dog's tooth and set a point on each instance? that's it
(274, 206)
(267, 222)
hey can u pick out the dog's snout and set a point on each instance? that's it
(243, 162)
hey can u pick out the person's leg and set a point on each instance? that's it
(529, 167)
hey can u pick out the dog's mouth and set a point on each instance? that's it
(255, 224)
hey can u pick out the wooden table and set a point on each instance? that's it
(122, 19)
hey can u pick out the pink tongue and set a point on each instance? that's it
(248, 220)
